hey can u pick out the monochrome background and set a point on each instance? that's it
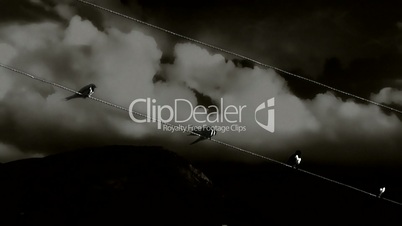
(356, 47)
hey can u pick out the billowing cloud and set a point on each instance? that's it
(345, 128)
(80, 32)
(34, 117)
(7, 52)
(388, 95)
(65, 11)
(115, 61)
(31, 36)
(213, 76)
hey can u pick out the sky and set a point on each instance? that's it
(353, 46)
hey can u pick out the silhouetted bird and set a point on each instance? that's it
(295, 159)
(382, 190)
(205, 133)
(85, 92)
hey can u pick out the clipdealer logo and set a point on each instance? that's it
(230, 114)
(270, 125)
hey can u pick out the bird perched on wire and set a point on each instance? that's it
(85, 92)
(295, 159)
(382, 190)
(204, 133)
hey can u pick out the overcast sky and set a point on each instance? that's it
(356, 47)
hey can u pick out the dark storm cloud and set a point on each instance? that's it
(29, 11)
(352, 46)
(362, 76)
(302, 37)
(25, 11)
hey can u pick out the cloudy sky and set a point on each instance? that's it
(356, 47)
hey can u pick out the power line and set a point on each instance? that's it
(213, 140)
(37, 78)
(239, 55)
